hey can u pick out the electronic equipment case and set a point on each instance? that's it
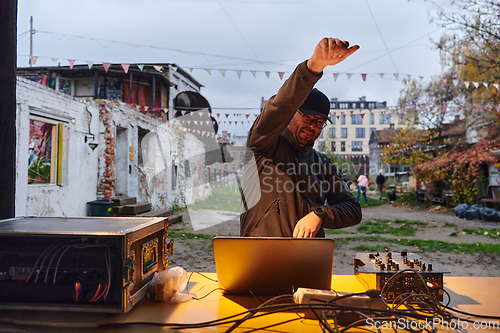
(93, 264)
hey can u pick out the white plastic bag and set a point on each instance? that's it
(168, 285)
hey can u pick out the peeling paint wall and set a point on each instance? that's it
(70, 198)
(156, 151)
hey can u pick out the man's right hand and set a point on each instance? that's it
(328, 52)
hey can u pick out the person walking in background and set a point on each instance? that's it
(380, 184)
(362, 185)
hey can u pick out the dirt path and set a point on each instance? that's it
(196, 254)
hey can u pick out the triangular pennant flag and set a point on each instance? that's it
(381, 75)
(362, 116)
(175, 111)
(421, 78)
(476, 84)
(488, 108)
(455, 82)
(349, 75)
(125, 67)
(183, 112)
(90, 64)
(106, 66)
(396, 75)
(335, 76)
(466, 83)
(146, 108)
(363, 76)
(190, 69)
(478, 107)
(53, 59)
(445, 107)
(141, 67)
(247, 115)
(195, 122)
(495, 85)
(198, 131)
(281, 75)
(229, 123)
(218, 114)
(254, 74)
(33, 60)
(267, 74)
(223, 72)
(498, 107)
(445, 80)
(238, 72)
(71, 63)
(227, 115)
(158, 68)
(485, 84)
(189, 122)
(208, 71)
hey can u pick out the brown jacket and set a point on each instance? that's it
(283, 181)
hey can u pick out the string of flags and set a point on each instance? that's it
(364, 76)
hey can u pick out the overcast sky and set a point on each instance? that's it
(248, 35)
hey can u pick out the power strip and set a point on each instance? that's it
(307, 295)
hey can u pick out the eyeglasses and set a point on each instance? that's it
(308, 120)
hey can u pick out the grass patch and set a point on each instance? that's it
(385, 227)
(371, 202)
(411, 222)
(337, 231)
(425, 245)
(189, 235)
(492, 233)
(375, 248)
(454, 234)
(450, 225)
(226, 198)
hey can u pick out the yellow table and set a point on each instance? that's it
(479, 295)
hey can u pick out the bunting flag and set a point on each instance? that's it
(33, 60)
(71, 63)
(363, 76)
(254, 73)
(335, 76)
(349, 75)
(54, 59)
(125, 67)
(90, 64)
(223, 72)
(238, 72)
(396, 75)
(141, 67)
(476, 84)
(267, 74)
(466, 83)
(106, 66)
(158, 68)
(281, 75)
(381, 75)
(208, 71)
(190, 69)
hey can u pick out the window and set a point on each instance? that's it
(321, 145)
(356, 119)
(64, 86)
(372, 119)
(226, 166)
(333, 119)
(385, 118)
(242, 156)
(354, 105)
(233, 166)
(342, 119)
(343, 132)
(333, 146)
(371, 130)
(48, 152)
(342, 145)
(187, 169)
(333, 105)
(360, 132)
(343, 105)
(371, 105)
(233, 155)
(357, 146)
(216, 166)
(320, 135)
(331, 132)
(361, 105)
(241, 166)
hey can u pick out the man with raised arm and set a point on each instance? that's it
(289, 189)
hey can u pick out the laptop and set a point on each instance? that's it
(273, 265)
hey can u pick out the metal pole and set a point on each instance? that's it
(31, 39)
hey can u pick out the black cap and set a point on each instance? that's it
(316, 104)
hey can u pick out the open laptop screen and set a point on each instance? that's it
(274, 265)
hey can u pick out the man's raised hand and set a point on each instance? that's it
(328, 52)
